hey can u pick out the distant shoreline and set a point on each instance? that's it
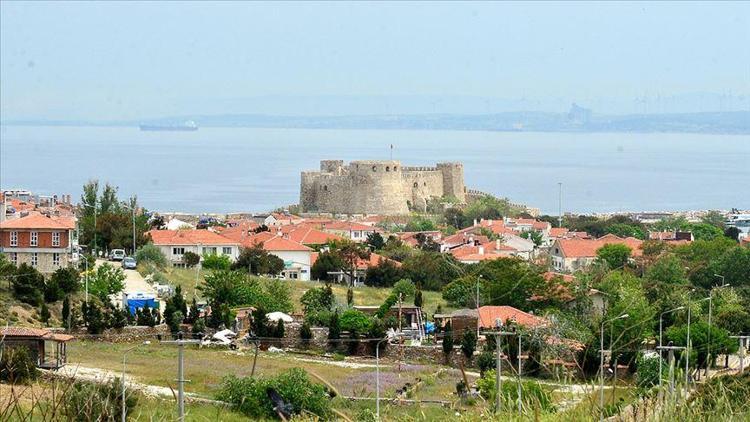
(717, 123)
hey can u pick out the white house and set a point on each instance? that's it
(174, 244)
(296, 257)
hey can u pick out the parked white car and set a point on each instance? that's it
(117, 254)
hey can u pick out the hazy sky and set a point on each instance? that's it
(98, 60)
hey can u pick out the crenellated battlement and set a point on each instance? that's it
(377, 186)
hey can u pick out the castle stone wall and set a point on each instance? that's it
(377, 187)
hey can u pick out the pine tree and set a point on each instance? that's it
(44, 314)
(280, 329)
(418, 301)
(334, 329)
(305, 333)
(66, 312)
(448, 340)
(350, 297)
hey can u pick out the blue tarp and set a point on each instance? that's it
(429, 327)
(135, 304)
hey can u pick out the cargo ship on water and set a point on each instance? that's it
(188, 126)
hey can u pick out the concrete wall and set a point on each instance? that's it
(377, 187)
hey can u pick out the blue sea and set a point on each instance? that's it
(249, 169)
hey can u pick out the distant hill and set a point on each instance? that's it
(578, 119)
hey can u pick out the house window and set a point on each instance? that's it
(226, 250)
(56, 259)
(14, 258)
(55, 238)
(387, 168)
(34, 239)
(355, 234)
(34, 259)
(13, 238)
(374, 168)
(178, 251)
(209, 251)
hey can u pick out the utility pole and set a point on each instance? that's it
(559, 205)
(181, 372)
(499, 361)
(519, 374)
(478, 318)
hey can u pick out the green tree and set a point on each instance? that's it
(257, 260)
(317, 299)
(447, 341)
(52, 290)
(28, 285)
(721, 342)
(375, 241)
(626, 230)
(469, 344)
(66, 312)
(714, 218)
(44, 314)
(326, 263)
(305, 333)
(334, 327)
(106, 280)
(349, 297)
(418, 300)
(615, 255)
(420, 224)
(534, 236)
(384, 274)
(93, 318)
(68, 279)
(349, 254)
(280, 331)
(431, 270)
(191, 259)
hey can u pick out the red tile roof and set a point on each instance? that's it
(488, 315)
(278, 243)
(39, 221)
(580, 248)
(557, 231)
(348, 226)
(310, 236)
(373, 261)
(34, 332)
(189, 237)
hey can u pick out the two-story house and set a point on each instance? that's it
(45, 243)
(174, 244)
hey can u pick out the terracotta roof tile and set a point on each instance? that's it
(189, 237)
(39, 221)
(488, 315)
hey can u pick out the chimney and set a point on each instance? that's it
(497, 244)
(489, 222)
(475, 222)
(481, 250)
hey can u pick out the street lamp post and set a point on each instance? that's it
(601, 364)
(710, 311)
(679, 308)
(124, 408)
(377, 378)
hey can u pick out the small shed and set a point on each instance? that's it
(47, 348)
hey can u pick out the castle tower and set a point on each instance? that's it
(377, 188)
(453, 180)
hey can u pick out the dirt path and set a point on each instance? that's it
(103, 375)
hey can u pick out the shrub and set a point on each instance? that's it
(317, 299)
(533, 394)
(356, 322)
(250, 395)
(199, 327)
(89, 401)
(17, 366)
(150, 253)
(216, 262)
(648, 370)
(280, 331)
(28, 285)
(334, 327)
(486, 361)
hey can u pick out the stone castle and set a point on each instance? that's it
(378, 187)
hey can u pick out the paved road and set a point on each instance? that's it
(134, 283)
